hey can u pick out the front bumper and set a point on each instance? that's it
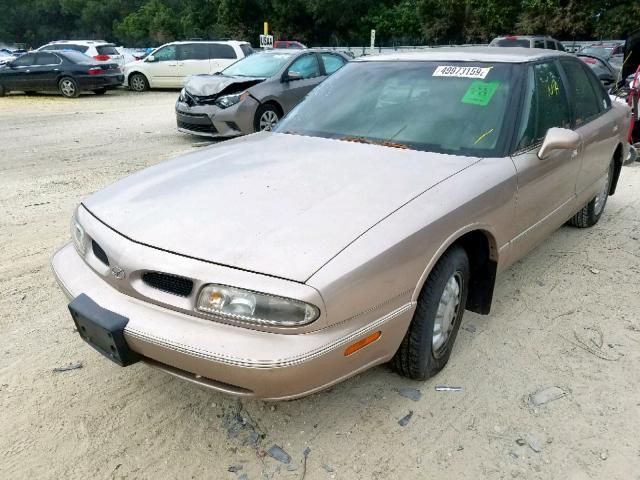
(233, 359)
(212, 121)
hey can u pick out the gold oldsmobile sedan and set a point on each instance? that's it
(356, 233)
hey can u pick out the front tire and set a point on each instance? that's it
(138, 82)
(428, 343)
(68, 87)
(267, 116)
(589, 215)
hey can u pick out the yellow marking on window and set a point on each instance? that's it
(481, 137)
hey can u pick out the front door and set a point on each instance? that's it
(163, 71)
(308, 69)
(546, 188)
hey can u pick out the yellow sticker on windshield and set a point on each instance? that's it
(480, 93)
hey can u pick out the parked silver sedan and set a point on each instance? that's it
(254, 93)
(357, 233)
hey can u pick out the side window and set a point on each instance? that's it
(220, 50)
(25, 60)
(601, 93)
(587, 104)
(193, 51)
(331, 62)
(47, 59)
(246, 49)
(307, 66)
(560, 47)
(538, 44)
(551, 45)
(545, 105)
(166, 54)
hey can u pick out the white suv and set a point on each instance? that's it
(167, 66)
(98, 49)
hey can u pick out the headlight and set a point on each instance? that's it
(78, 235)
(182, 97)
(254, 307)
(227, 101)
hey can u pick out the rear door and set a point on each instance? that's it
(163, 71)
(308, 67)
(546, 188)
(222, 55)
(590, 105)
(193, 59)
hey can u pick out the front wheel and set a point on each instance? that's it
(427, 345)
(138, 82)
(589, 215)
(68, 88)
(267, 116)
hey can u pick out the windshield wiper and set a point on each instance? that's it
(384, 143)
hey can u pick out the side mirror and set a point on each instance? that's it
(151, 58)
(291, 76)
(558, 139)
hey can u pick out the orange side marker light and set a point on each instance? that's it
(353, 348)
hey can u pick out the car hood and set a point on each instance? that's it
(209, 85)
(271, 203)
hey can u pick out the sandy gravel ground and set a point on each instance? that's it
(566, 316)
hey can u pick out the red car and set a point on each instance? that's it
(288, 44)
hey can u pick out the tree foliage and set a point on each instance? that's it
(315, 22)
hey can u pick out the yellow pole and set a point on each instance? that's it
(266, 28)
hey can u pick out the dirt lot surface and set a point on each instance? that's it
(567, 316)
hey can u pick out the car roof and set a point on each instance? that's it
(525, 37)
(229, 42)
(81, 42)
(471, 54)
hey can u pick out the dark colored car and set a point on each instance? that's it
(288, 44)
(601, 67)
(66, 72)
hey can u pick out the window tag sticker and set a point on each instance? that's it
(480, 93)
(461, 72)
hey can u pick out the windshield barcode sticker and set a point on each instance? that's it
(463, 72)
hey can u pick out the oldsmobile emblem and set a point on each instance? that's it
(117, 272)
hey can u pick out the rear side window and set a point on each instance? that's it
(193, 51)
(551, 45)
(47, 59)
(545, 105)
(331, 62)
(107, 50)
(246, 49)
(220, 50)
(586, 102)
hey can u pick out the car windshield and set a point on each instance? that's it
(599, 51)
(511, 42)
(447, 107)
(258, 65)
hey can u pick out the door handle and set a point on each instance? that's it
(27, 71)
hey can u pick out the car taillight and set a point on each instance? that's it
(96, 71)
(590, 61)
(102, 58)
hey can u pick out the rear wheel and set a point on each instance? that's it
(138, 82)
(589, 215)
(427, 345)
(100, 91)
(267, 117)
(68, 87)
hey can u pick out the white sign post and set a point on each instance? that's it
(373, 40)
(266, 41)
